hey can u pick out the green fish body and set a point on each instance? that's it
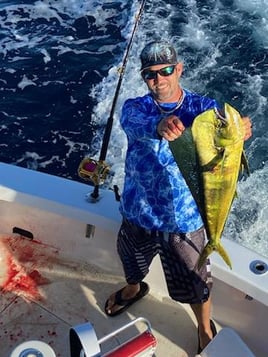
(216, 146)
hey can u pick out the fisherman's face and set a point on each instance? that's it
(165, 88)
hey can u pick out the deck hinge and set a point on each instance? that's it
(90, 231)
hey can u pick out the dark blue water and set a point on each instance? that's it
(58, 75)
(52, 55)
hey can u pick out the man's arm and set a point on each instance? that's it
(171, 128)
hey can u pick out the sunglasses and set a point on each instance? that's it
(164, 72)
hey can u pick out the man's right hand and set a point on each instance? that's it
(170, 128)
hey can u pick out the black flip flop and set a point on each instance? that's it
(144, 290)
(214, 333)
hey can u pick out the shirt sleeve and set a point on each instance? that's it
(137, 121)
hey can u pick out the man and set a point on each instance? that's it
(159, 213)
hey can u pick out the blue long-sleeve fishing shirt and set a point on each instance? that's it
(155, 195)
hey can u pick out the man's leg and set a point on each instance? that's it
(136, 248)
(202, 314)
(186, 284)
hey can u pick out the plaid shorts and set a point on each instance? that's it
(179, 254)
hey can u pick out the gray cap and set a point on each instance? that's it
(157, 52)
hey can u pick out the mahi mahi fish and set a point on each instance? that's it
(210, 156)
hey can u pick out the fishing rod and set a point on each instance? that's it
(97, 171)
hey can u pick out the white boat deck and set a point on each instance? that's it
(63, 276)
(46, 296)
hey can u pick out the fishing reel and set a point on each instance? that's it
(99, 173)
(95, 171)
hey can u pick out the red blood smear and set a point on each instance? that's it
(38, 278)
(23, 260)
(19, 282)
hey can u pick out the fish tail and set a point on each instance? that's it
(210, 248)
(204, 254)
(224, 255)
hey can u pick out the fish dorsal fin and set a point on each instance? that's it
(184, 153)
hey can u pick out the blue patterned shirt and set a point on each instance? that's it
(155, 195)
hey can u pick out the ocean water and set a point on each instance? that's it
(59, 72)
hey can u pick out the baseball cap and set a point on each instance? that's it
(157, 52)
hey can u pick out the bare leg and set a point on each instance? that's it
(202, 314)
(129, 292)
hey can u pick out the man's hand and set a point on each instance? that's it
(170, 128)
(247, 127)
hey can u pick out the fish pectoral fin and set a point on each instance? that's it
(214, 162)
(210, 248)
(244, 164)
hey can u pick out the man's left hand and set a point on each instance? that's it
(247, 127)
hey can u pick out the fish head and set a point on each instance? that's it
(229, 127)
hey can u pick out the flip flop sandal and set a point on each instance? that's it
(214, 333)
(144, 290)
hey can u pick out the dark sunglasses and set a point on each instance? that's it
(164, 72)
